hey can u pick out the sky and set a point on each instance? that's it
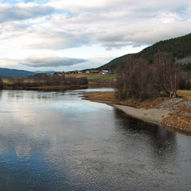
(65, 35)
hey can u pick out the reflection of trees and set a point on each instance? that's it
(15, 94)
(160, 141)
(163, 145)
(1, 83)
(20, 95)
(1, 94)
(163, 140)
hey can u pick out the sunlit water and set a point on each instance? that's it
(58, 142)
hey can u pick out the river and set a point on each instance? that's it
(55, 141)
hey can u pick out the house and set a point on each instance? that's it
(104, 72)
(94, 71)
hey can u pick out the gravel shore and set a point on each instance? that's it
(154, 116)
(171, 113)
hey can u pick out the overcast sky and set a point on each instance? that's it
(62, 35)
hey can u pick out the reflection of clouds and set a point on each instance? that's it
(85, 106)
(3, 148)
(13, 145)
(55, 128)
(23, 150)
(84, 141)
(43, 121)
(95, 90)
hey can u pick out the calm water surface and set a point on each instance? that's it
(58, 142)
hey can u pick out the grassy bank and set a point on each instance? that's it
(111, 98)
(97, 79)
(186, 94)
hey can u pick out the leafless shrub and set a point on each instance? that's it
(138, 79)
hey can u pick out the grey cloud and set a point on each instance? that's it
(16, 13)
(115, 24)
(129, 23)
(52, 62)
(61, 40)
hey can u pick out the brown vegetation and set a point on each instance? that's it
(110, 97)
(142, 85)
(133, 80)
(45, 82)
(179, 119)
(138, 79)
(179, 108)
(101, 97)
(184, 93)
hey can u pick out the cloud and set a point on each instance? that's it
(116, 24)
(24, 11)
(57, 40)
(61, 27)
(6, 62)
(112, 24)
(52, 62)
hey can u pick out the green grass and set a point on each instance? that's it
(6, 80)
(29, 80)
(104, 77)
(101, 77)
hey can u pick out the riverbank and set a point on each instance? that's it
(172, 113)
(154, 116)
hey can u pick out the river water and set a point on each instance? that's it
(55, 141)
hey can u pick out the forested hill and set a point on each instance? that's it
(5, 72)
(180, 48)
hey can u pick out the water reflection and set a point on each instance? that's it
(57, 141)
(162, 142)
(24, 95)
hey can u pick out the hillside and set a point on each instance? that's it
(5, 72)
(180, 48)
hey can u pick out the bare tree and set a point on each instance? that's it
(140, 80)
(136, 79)
(167, 73)
(1, 83)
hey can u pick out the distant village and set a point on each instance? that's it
(87, 72)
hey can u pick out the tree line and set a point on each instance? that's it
(41, 80)
(139, 79)
(179, 47)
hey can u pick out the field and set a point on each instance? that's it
(102, 77)
(185, 94)
(11, 80)
(97, 80)
(5, 80)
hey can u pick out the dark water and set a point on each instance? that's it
(58, 142)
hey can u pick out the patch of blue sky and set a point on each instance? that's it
(183, 12)
(23, 1)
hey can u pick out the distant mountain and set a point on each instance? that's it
(5, 72)
(48, 72)
(180, 48)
